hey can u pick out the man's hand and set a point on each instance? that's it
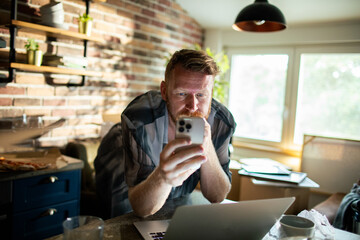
(176, 166)
(214, 183)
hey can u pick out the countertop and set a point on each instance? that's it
(58, 163)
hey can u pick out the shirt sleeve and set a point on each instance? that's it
(138, 165)
(221, 137)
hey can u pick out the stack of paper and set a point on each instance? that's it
(268, 169)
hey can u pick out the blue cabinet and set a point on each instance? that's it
(39, 204)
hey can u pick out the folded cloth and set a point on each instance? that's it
(323, 228)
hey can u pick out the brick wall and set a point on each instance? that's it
(138, 36)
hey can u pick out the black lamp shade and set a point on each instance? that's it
(260, 16)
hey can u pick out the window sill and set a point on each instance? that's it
(263, 148)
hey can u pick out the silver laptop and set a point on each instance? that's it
(240, 220)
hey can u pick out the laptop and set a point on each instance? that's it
(241, 220)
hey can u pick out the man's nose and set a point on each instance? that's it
(191, 102)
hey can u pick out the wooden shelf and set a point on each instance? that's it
(70, 71)
(55, 32)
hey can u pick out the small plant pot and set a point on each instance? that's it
(85, 27)
(30, 56)
(38, 58)
(34, 57)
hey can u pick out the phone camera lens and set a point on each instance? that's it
(181, 129)
(182, 122)
(188, 126)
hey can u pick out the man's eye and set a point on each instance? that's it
(182, 94)
(200, 95)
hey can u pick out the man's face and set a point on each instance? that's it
(188, 93)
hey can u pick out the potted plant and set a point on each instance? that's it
(34, 54)
(220, 84)
(85, 24)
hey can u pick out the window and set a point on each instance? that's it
(278, 95)
(329, 96)
(258, 91)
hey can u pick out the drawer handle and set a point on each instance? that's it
(53, 179)
(49, 212)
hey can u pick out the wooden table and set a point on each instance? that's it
(122, 227)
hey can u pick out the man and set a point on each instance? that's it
(156, 173)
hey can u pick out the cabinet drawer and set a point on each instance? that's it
(44, 190)
(40, 224)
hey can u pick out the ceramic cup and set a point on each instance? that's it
(293, 225)
(83, 227)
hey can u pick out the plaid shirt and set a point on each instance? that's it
(145, 133)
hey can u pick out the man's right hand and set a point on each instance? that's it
(176, 166)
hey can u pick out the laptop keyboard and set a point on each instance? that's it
(157, 235)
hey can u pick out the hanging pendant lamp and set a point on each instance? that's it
(260, 16)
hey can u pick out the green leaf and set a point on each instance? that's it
(31, 44)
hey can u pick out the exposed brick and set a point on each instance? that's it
(129, 24)
(159, 7)
(107, 27)
(112, 19)
(165, 2)
(40, 91)
(72, 9)
(132, 8)
(12, 90)
(116, 3)
(78, 102)
(87, 131)
(125, 13)
(142, 44)
(157, 23)
(93, 111)
(11, 113)
(69, 51)
(63, 112)
(148, 12)
(137, 34)
(26, 102)
(171, 28)
(5, 101)
(138, 69)
(61, 131)
(85, 121)
(65, 91)
(142, 19)
(38, 111)
(29, 79)
(140, 36)
(4, 30)
(98, 102)
(39, 2)
(54, 102)
(176, 6)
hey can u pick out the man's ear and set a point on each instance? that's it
(163, 90)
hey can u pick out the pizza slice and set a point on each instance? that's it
(19, 165)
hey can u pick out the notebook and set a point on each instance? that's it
(240, 220)
(293, 177)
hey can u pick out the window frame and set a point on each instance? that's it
(291, 88)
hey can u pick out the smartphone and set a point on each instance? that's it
(192, 128)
